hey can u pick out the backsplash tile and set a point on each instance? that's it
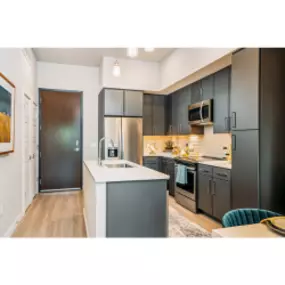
(208, 144)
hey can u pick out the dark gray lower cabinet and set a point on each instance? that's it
(245, 157)
(204, 193)
(221, 197)
(153, 162)
(214, 191)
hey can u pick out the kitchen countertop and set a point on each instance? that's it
(212, 162)
(136, 173)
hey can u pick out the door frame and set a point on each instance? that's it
(39, 133)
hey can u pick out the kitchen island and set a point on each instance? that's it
(124, 199)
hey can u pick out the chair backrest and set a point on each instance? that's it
(246, 216)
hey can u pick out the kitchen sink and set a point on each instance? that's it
(118, 165)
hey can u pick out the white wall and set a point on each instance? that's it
(135, 74)
(77, 78)
(185, 61)
(22, 72)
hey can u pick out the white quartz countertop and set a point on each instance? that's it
(164, 154)
(103, 174)
(218, 163)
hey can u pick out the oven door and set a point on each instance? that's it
(194, 114)
(189, 189)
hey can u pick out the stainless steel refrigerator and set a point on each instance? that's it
(126, 133)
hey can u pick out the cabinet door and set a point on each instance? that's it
(207, 87)
(196, 92)
(114, 102)
(158, 115)
(204, 193)
(245, 157)
(168, 115)
(221, 190)
(133, 103)
(183, 103)
(147, 115)
(175, 112)
(244, 89)
(222, 101)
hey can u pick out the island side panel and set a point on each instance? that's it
(137, 209)
(94, 195)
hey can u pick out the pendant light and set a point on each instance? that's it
(132, 52)
(149, 49)
(116, 69)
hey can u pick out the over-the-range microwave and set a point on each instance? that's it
(201, 113)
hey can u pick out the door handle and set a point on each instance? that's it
(233, 142)
(209, 187)
(234, 118)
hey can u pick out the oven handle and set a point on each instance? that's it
(188, 168)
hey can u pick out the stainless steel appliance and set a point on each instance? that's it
(126, 133)
(185, 194)
(201, 113)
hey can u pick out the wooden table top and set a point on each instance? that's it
(248, 231)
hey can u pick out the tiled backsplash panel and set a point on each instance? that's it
(208, 144)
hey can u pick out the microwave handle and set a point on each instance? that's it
(201, 113)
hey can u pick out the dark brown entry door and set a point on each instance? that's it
(60, 140)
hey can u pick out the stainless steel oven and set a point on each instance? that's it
(185, 194)
(201, 113)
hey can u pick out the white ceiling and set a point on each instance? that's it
(93, 56)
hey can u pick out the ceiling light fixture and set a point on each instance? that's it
(116, 69)
(132, 52)
(149, 49)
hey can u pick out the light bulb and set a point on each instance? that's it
(149, 49)
(116, 69)
(132, 52)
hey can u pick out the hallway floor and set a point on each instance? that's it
(53, 215)
(61, 215)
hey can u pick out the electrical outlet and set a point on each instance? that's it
(1, 210)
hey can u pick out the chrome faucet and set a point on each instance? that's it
(100, 148)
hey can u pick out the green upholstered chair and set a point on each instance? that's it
(246, 216)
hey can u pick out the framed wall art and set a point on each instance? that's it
(7, 115)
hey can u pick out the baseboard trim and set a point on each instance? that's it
(85, 222)
(13, 226)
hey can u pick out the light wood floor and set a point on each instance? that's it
(60, 215)
(53, 215)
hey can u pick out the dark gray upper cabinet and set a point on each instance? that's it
(133, 103)
(245, 152)
(244, 89)
(158, 115)
(184, 100)
(207, 86)
(175, 112)
(147, 115)
(196, 94)
(222, 101)
(153, 115)
(204, 193)
(221, 191)
(114, 102)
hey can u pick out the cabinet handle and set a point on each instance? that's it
(180, 128)
(234, 119)
(204, 171)
(234, 142)
(154, 130)
(170, 129)
(209, 187)
(214, 188)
